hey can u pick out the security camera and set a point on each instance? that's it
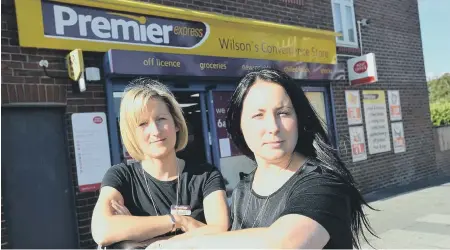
(365, 22)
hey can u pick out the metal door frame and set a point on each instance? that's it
(329, 111)
(205, 91)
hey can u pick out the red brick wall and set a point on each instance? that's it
(23, 81)
(394, 36)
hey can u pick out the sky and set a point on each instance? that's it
(435, 27)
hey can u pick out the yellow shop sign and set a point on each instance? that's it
(100, 25)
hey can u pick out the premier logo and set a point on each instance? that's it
(83, 23)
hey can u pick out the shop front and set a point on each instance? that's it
(203, 86)
(199, 55)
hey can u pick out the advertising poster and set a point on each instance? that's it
(376, 121)
(398, 137)
(358, 143)
(226, 147)
(353, 107)
(395, 109)
(92, 156)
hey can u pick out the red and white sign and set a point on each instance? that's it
(92, 156)
(362, 70)
(97, 120)
(353, 107)
(358, 143)
(398, 137)
(395, 109)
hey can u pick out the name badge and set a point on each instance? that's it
(180, 210)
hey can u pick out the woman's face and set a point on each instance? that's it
(156, 133)
(269, 121)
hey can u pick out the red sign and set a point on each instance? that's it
(360, 67)
(395, 110)
(97, 119)
(358, 148)
(354, 113)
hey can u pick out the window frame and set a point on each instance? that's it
(346, 42)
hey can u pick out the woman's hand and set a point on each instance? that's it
(187, 223)
(119, 209)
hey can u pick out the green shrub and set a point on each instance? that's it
(440, 113)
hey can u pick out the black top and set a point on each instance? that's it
(197, 182)
(311, 191)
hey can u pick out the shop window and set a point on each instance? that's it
(344, 22)
(317, 101)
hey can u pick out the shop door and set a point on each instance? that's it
(36, 187)
(319, 99)
(196, 112)
(193, 101)
(234, 166)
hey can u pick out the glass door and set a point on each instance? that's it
(195, 110)
(319, 99)
(193, 100)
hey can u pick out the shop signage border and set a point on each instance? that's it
(100, 25)
(122, 62)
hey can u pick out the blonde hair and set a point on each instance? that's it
(134, 102)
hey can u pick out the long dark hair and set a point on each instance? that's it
(313, 141)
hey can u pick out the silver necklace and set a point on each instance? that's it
(150, 193)
(263, 207)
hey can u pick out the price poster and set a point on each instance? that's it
(92, 156)
(377, 127)
(357, 143)
(353, 107)
(398, 137)
(221, 99)
(395, 109)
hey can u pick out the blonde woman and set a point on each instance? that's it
(160, 195)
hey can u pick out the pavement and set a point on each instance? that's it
(416, 216)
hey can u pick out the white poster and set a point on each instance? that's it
(353, 104)
(92, 156)
(395, 109)
(225, 147)
(358, 143)
(375, 113)
(398, 137)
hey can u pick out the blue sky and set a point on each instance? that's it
(434, 24)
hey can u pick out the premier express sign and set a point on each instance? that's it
(101, 25)
(82, 23)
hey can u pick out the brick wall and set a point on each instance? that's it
(25, 83)
(394, 36)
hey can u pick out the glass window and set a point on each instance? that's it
(337, 20)
(344, 22)
(350, 25)
(317, 100)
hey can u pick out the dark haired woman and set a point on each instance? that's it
(300, 195)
